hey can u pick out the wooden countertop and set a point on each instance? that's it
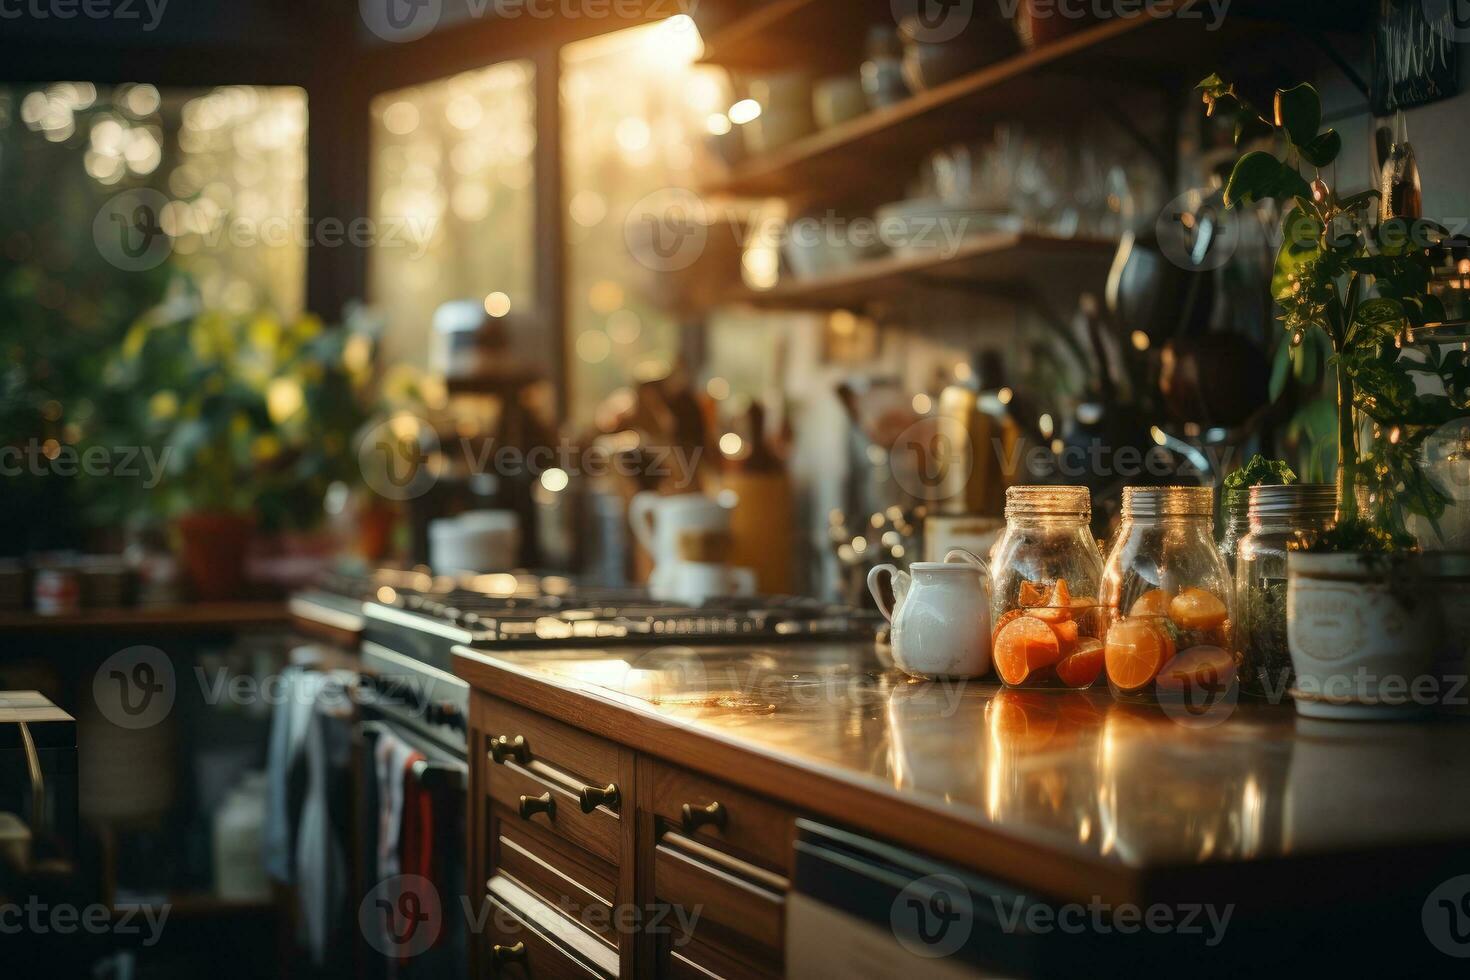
(1073, 795)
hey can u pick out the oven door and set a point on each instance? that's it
(430, 850)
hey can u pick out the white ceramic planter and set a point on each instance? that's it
(1361, 648)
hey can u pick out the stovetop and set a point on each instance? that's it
(423, 616)
(411, 622)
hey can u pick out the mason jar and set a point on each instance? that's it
(1046, 568)
(1167, 598)
(1282, 519)
(1237, 524)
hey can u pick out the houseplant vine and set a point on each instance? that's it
(1361, 278)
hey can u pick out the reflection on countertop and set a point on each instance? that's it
(1077, 772)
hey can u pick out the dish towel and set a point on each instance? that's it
(283, 794)
(393, 759)
(325, 829)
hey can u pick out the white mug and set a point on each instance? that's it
(659, 521)
(940, 616)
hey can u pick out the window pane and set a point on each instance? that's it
(223, 173)
(634, 109)
(453, 201)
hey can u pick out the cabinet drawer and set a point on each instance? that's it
(529, 797)
(546, 746)
(740, 906)
(573, 883)
(735, 821)
(696, 961)
(525, 940)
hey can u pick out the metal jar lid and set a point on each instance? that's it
(1061, 501)
(1168, 502)
(1308, 501)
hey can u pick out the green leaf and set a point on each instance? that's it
(1299, 112)
(1258, 175)
(1252, 178)
(1212, 83)
(1322, 149)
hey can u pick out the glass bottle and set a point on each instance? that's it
(1046, 631)
(1167, 597)
(1282, 519)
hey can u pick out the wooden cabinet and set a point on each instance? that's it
(550, 829)
(599, 861)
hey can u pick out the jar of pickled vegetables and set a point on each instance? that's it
(1168, 599)
(1043, 597)
(1282, 519)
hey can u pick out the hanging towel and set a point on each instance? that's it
(285, 782)
(393, 758)
(324, 833)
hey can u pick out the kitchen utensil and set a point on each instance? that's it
(1398, 181)
(475, 541)
(697, 582)
(838, 99)
(929, 63)
(786, 111)
(882, 72)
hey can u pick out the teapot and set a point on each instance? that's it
(940, 615)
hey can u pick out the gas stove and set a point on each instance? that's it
(412, 621)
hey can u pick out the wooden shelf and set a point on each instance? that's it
(1119, 62)
(193, 617)
(778, 34)
(1001, 262)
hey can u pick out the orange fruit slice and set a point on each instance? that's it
(1024, 645)
(1203, 670)
(1154, 602)
(1196, 609)
(1066, 631)
(1081, 667)
(1005, 618)
(1033, 593)
(1134, 652)
(1058, 605)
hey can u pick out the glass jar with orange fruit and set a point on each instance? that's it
(1045, 631)
(1167, 596)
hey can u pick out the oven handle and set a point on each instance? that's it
(429, 773)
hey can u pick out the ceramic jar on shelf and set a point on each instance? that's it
(1168, 599)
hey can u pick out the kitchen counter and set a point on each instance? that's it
(1072, 795)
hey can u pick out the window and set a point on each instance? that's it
(634, 107)
(453, 202)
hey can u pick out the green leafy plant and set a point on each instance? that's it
(1363, 286)
(249, 413)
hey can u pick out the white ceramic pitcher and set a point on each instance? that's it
(940, 616)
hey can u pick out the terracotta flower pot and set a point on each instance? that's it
(213, 547)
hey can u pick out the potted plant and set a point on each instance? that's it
(1361, 625)
(250, 419)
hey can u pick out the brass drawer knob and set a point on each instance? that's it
(508, 954)
(695, 817)
(503, 746)
(593, 797)
(532, 805)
